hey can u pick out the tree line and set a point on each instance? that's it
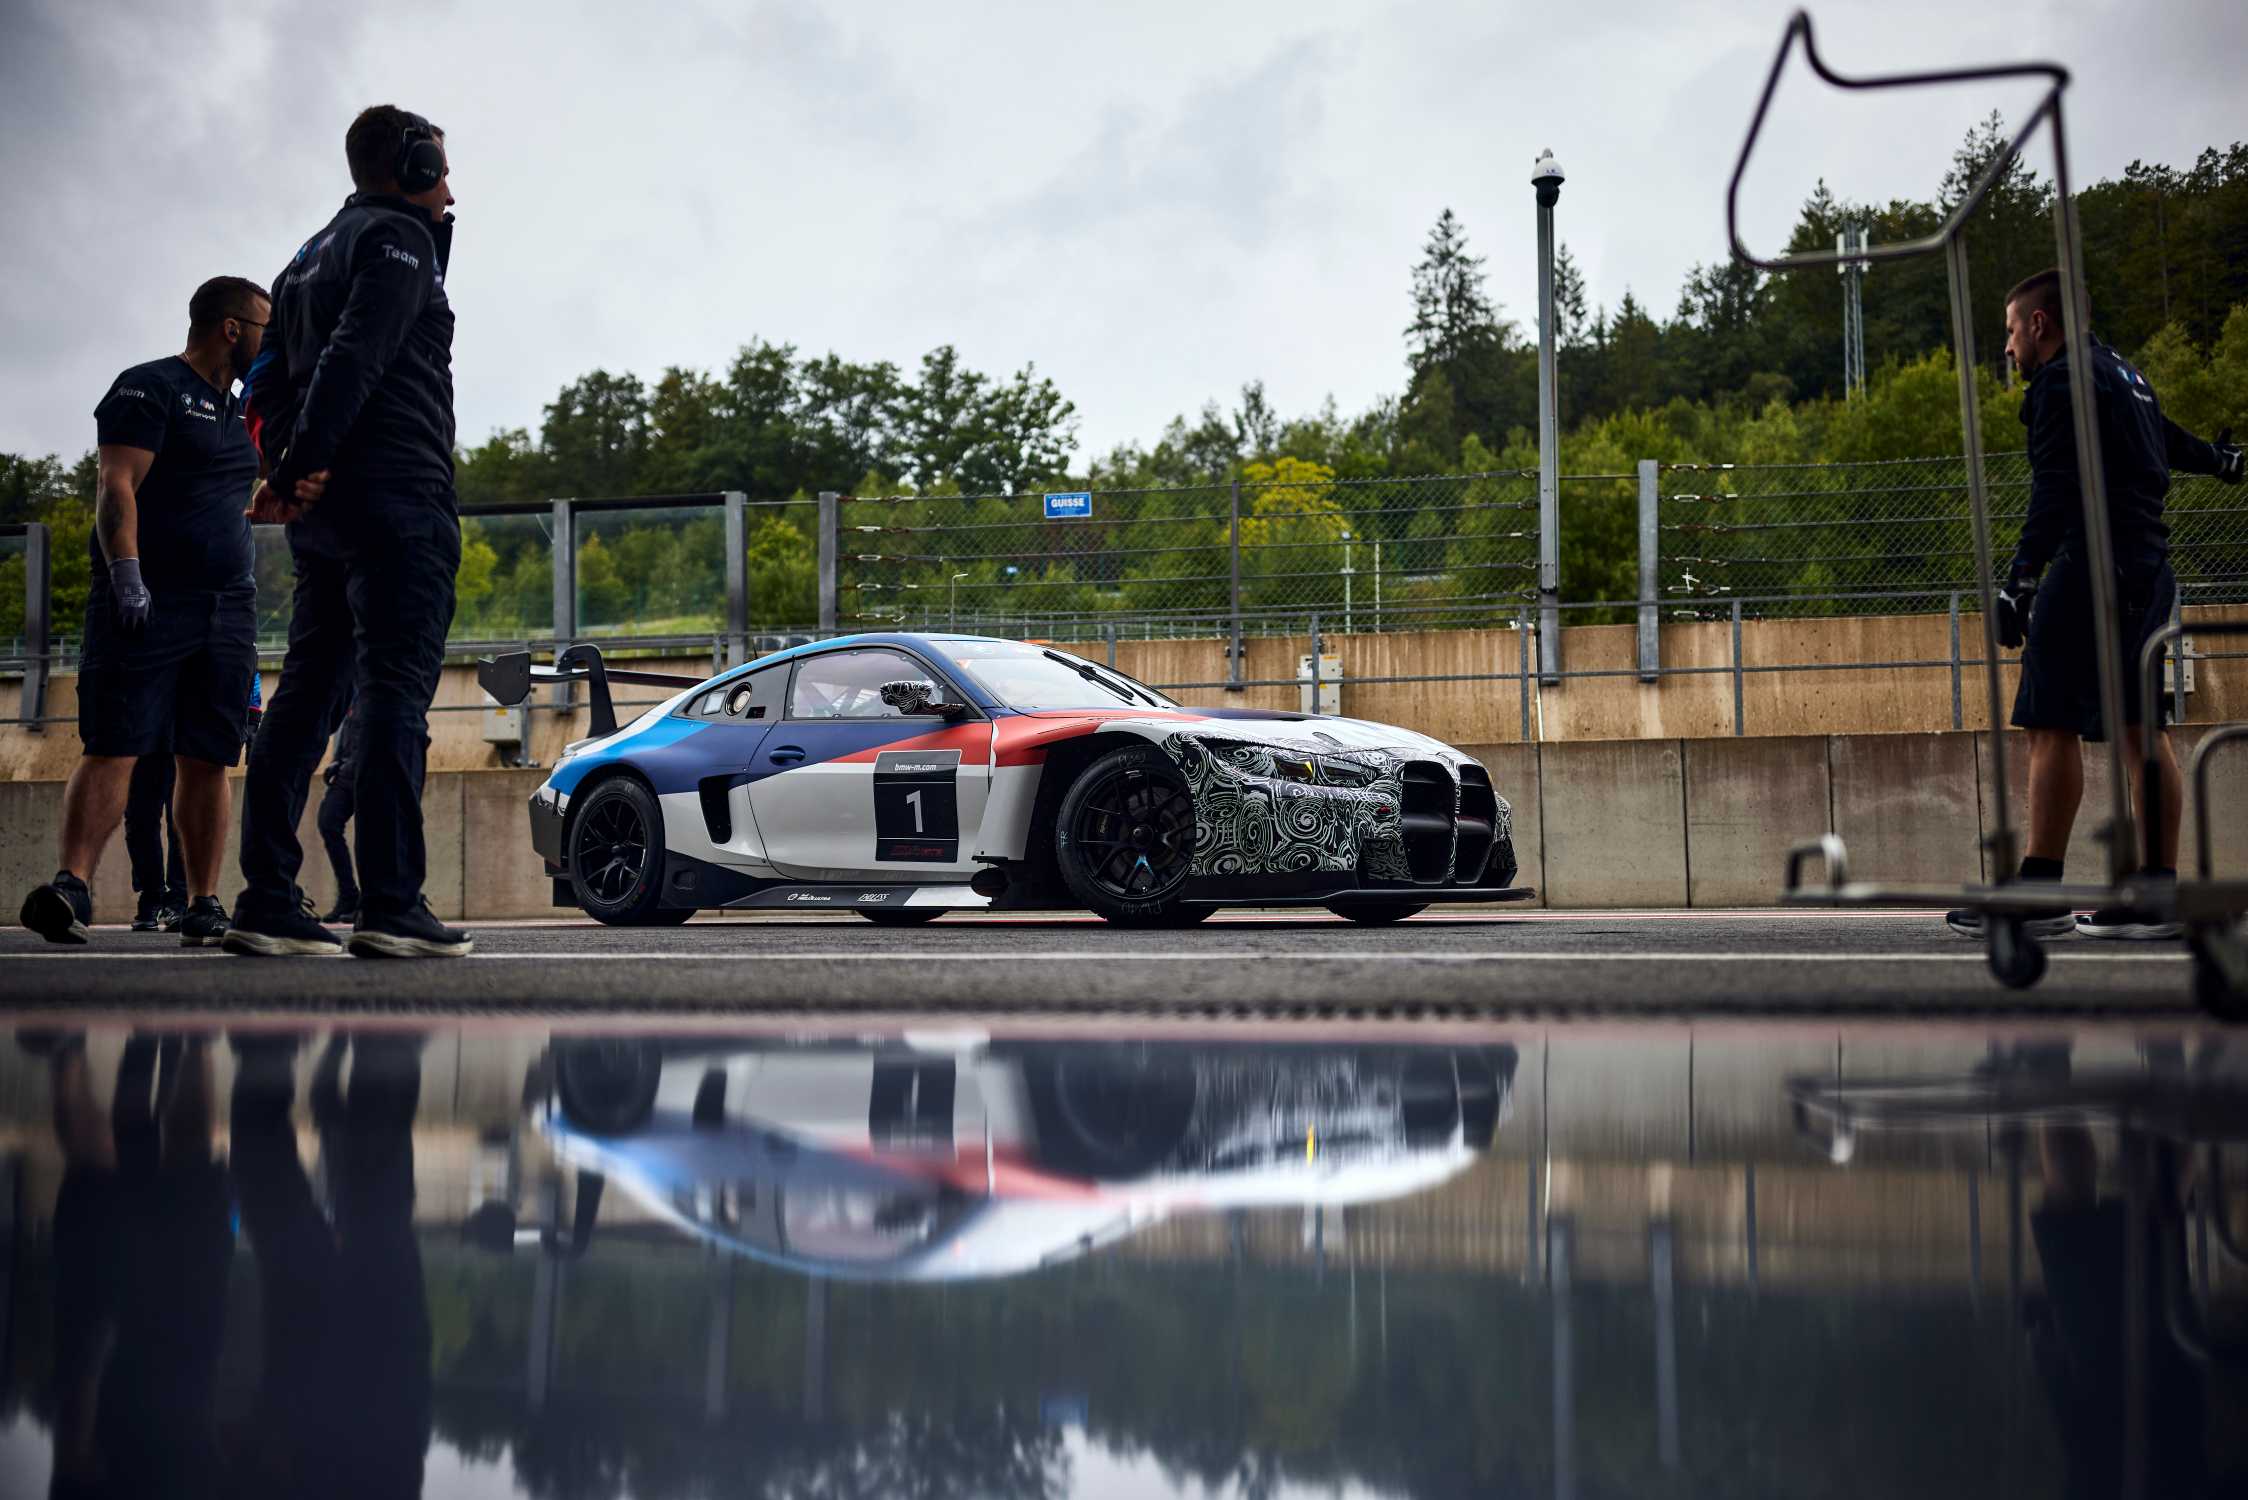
(1747, 368)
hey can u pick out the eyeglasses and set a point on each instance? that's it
(250, 322)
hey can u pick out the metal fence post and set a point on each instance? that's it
(1315, 661)
(828, 539)
(1522, 667)
(1650, 573)
(1738, 695)
(1233, 650)
(1958, 707)
(737, 577)
(38, 630)
(565, 589)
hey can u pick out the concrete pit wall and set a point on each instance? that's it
(1619, 823)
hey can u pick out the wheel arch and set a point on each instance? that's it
(597, 778)
(1065, 762)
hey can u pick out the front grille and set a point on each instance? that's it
(1478, 825)
(1425, 821)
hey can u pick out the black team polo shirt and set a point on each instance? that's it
(193, 534)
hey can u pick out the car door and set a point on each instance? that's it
(702, 777)
(850, 789)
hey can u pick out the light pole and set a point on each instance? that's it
(1545, 176)
(1346, 582)
(956, 599)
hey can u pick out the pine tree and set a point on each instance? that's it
(1452, 316)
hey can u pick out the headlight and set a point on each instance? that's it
(1321, 770)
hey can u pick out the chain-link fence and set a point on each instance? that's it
(1420, 553)
(1888, 538)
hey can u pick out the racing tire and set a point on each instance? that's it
(1377, 913)
(900, 916)
(606, 1086)
(616, 856)
(1109, 1113)
(668, 916)
(1124, 839)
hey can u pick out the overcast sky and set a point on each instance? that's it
(1153, 201)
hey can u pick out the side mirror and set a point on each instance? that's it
(914, 695)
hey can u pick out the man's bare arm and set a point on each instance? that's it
(116, 500)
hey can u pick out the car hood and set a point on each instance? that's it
(1310, 732)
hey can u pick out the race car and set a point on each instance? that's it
(940, 1157)
(903, 776)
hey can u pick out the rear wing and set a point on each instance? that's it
(509, 678)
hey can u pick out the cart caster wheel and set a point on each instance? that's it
(2016, 960)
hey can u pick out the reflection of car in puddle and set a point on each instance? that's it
(927, 1160)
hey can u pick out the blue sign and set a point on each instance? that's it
(1075, 506)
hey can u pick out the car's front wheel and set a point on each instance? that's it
(1124, 839)
(1377, 913)
(616, 855)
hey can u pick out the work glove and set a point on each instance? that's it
(2013, 602)
(2229, 464)
(130, 595)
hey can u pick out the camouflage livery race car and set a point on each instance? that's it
(903, 776)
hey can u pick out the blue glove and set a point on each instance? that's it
(128, 593)
(2013, 602)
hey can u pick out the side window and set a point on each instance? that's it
(848, 684)
(752, 699)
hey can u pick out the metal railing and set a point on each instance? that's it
(1315, 559)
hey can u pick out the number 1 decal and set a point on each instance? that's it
(917, 806)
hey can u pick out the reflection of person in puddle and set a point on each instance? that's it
(2077, 1332)
(343, 1404)
(142, 1240)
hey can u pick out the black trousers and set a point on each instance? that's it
(157, 871)
(334, 817)
(374, 599)
(343, 1404)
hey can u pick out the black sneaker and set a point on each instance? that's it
(149, 915)
(204, 925)
(415, 933)
(61, 911)
(2128, 923)
(346, 914)
(275, 935)
(1967, 921)
(170, 918)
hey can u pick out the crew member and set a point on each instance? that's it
(159, 874)
(2046, 605)
(358, 384)
(171, 617)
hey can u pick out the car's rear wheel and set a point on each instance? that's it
(616, 855)
(1124, 839)
(900, 916)
(606, 1085)
(1376, 913)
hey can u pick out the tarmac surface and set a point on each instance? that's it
(1472, 965)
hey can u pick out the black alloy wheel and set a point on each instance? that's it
(1124, 839)
(616, 856)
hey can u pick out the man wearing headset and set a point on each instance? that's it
(2046, 606)
(171, 618)
(356, 394)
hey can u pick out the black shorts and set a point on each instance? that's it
(178, 686)
(2060, 663)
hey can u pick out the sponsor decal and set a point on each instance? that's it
(873, 898)
(392, 252)
(126, 390)
(808, 896)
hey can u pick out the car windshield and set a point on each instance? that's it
(1027, 676)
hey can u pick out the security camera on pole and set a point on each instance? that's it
(1546, 178)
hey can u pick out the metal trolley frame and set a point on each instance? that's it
(2208, 907)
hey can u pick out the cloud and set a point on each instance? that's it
(1153, 202)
